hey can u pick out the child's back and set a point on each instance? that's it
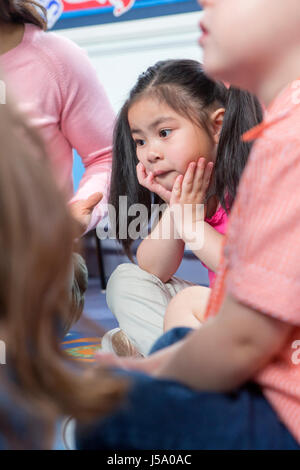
(253, 331)
(264, 271)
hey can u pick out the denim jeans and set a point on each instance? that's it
(164, 414)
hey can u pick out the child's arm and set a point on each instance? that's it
(227, 350)
(87, 120)
(160, 253)
(224, 353)
(159, 256)
(189, 191)
(210, 253)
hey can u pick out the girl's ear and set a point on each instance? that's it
(217, 122)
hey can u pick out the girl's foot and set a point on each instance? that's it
(117, 342)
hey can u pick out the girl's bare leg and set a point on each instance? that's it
(187, 308)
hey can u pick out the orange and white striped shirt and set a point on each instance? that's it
(261, 257)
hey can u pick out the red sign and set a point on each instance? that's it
(120, 6)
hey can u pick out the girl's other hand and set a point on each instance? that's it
(82, 210)
(188, 197)
(148, 181)
(191, 187)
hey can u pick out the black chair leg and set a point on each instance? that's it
(103, 282)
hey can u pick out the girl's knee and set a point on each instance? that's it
(182, 299)
(187, 307)
(176, 308)
(117, 278)
(122, 281)
(127, 277)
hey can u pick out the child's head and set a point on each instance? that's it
(23, 11)
(175, 115)
(244, 41)
(79, 283)
(36, 241)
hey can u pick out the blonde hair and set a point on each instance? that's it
(36, 243)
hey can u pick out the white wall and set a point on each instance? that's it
(121, 51)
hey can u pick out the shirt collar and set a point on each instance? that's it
(281, 107)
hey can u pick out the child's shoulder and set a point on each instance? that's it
(60, 59)
(279, 135)
(49, 46)
(283, 119)
(49, 39)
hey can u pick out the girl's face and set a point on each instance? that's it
(243, 39)
(166, 142)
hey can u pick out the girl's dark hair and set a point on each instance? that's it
(23, 11)
(243, 111)
(184, 86)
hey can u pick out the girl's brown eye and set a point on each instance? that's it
(165, 132)
(140, 142)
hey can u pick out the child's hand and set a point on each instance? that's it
(82, 210)
(148, 182)
(148, 365)
(191, 187)
(188, 197)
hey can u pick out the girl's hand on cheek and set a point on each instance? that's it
(191, 187)
(188, 196)
(148, 181)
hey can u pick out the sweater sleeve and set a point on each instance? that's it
(87, 121)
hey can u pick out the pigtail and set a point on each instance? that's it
(182, 85)
(243, 111)
(23, 11)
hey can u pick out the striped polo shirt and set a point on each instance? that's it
(260, 264)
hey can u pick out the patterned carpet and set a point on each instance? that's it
(84, 339)
(81, 348)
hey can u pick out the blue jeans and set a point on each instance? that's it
(164, 414)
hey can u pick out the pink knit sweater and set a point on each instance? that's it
(56, 86)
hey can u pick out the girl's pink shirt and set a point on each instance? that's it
(219, 222)
(57, 88)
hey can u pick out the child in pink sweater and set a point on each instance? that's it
(57, 88)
